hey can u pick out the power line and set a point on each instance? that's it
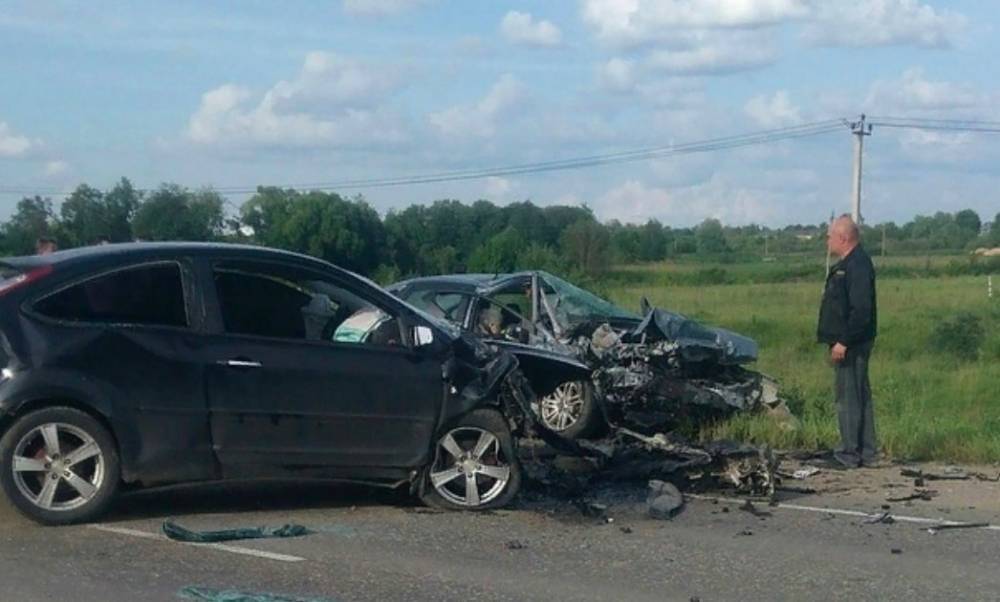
(709, 145)
(922, 123)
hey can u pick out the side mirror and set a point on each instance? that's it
(422, 336)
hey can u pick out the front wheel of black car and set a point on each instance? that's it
(59, 466)
(475, 465)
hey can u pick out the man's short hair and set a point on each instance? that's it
(845, 223)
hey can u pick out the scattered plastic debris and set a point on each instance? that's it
(884, 518)
(951, 526)
(664, 500)
(920, 494)
(794, 489)
(178, 533)
(207, 594)
(947, 475)
(749, 507)
(805, 472)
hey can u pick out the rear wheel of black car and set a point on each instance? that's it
(569, 409)
(59, 466)
(475, 465)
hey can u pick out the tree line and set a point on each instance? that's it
(445, 236)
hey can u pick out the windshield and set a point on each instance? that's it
(579, 305)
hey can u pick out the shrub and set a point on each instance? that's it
(960, 336)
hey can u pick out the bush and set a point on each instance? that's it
(960, 336)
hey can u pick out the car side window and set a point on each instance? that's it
(147, 295)
(498, 321)
(280, 301)
(450, 306)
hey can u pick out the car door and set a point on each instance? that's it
(132, 330)
(311, 370)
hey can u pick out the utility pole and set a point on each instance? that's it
(859, 129)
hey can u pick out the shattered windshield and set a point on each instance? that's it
(578, 305)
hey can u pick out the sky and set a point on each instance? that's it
(238, 94)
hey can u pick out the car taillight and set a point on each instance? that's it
(24, 279)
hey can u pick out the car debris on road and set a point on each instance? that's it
(178, 533)
(934, 530)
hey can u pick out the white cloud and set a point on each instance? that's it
(522, 28)
(913, 91)
(14, 145)
(497, 188)
(710, 52)
(379, 8)
(332, 102)
(329, 80)
(883, 23)
(632, 22)
(936, 147)
(633, 201)
(617, 75)
(773, 111)
(55, 168)
(479, 120)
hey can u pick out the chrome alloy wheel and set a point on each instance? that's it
(58, 467)
(563, 407)
(470, 469)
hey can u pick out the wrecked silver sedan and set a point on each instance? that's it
(645, 372)
(650, 375)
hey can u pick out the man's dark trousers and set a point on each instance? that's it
(854, 407)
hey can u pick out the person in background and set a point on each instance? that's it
(45, 245)
(847, 325)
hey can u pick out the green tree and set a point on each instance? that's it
(968, 220)
(540, 257)
(33, 218)
(995, 230)
(88, 215)
(652, 242)
(347, 233)
(175, 213)
(586, 245)
(711, 239)
(499, 254)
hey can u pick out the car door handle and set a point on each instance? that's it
(240, 363)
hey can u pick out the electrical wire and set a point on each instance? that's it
(710, 145)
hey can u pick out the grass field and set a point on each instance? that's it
(929, 404)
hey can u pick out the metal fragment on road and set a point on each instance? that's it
(920, 494)
(884, 518)
(933, 530)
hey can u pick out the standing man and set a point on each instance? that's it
(847, 324)
(45, 245)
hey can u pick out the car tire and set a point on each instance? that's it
(569, 410)
(474, 465)
(59, 466)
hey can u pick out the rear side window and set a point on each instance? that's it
(151, 295)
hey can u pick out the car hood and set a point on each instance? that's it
(696, 341)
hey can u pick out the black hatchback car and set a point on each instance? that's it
(158, 363)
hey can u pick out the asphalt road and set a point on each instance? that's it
(373, 545)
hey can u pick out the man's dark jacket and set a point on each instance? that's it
(847, 314)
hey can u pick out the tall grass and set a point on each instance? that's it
(929, 404)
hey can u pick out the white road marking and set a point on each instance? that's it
(215, 546)
(858, 513)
